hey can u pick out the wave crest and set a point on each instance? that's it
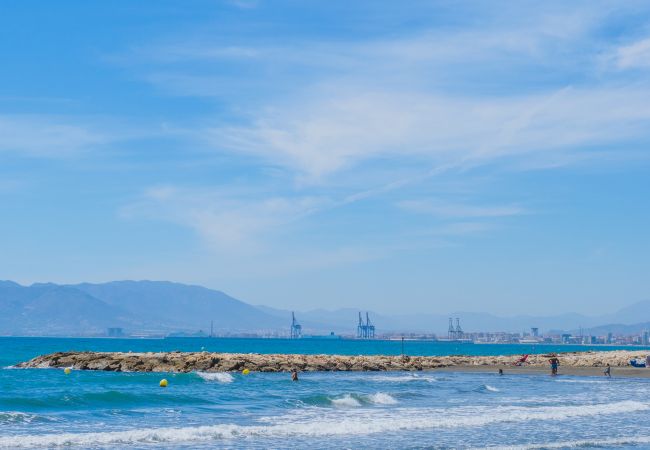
(221, 377)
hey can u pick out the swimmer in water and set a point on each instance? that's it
(294, 375)
(500, 371)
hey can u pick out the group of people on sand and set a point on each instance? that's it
(555, 364)
(553, 361)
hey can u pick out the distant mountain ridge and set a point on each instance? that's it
(163, 306)
(52, 309)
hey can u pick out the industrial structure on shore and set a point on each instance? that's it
(296, 328)
(365, 330)
(454, 333)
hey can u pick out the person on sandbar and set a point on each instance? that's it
(554, 364)
(608, 371)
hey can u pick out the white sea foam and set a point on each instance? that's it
(491, 388)
(381, 398)
(15, 417)
(613, 442)
(317, 423)
(346, 401)
(221, 377)
(582, 381)
(402, 378)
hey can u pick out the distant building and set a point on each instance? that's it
(115, 332)
(534, 331)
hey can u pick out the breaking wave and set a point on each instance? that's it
(381, 398)
(350, 400)
(347, 401)
(9, 417)
(221, 377)
(314, 422)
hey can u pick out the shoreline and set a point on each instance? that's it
(596, 372)
(576, 363)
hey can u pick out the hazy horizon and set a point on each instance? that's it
(437, 157)
(452, 313)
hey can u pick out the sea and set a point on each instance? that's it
(45, 408)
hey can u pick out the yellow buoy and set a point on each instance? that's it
(163, 383)
(67, 371)
(245, 372)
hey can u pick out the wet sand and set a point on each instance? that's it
(617, 372)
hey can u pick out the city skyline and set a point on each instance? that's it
(303, 155)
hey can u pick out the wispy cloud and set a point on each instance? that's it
(224, 218)
(450, 95)
(244, 4)
(47, 136)
(459, 210)
(333, 133)
(635, 55)
(346, 121)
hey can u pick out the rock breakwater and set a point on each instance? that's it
(230, 362)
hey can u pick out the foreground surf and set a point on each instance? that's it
(318, 423)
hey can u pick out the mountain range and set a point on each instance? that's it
(166, 307)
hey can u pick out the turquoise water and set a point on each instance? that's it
(48, 409)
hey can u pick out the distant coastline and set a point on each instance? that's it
(151, 309)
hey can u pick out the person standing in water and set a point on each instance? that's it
(608, 371)
(294, 375)
(554, 364)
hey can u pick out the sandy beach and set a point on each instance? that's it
(616, 372)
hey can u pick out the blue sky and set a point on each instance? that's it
(419, 157)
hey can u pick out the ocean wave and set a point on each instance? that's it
(347, 401)
(317, 423)
(403, 378)
(381, 398)
(221, 377)
(351, 400)
(107, 399)
(482, 388)
(12, 417)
